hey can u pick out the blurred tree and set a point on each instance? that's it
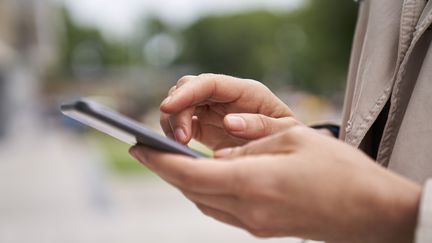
(239, 45)
(308, 48)
(329, 27)
(85, 48)
(158, 43)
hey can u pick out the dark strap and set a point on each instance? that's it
(334, 129)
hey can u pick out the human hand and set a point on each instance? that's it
(211, 108)
(296, 183)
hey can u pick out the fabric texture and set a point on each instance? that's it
(388, 102)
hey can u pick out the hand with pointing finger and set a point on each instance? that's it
(296, 183)
(222, 111)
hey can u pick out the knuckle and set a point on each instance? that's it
(264, 126)
(237, 151)
(183, 80)
(247, 150)
(172, 89)
(258, 85)
(283, 137)
(295, 134)
(207, 75)
(212, 77)
(297, 131)
(254, 82)
(292, 132)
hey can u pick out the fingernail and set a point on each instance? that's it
(223, 152)
(167, 100)
(180, 135)
(236, 123)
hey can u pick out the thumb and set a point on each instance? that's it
(254, 126)
(280, 143)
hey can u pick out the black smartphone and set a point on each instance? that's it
(123, 128)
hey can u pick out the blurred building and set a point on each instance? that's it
(27, 50)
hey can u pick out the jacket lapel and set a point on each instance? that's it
(411, 11)
(400, 88)
(427, 12)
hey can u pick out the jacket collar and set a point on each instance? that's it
(426, 17)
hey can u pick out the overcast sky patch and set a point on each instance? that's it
(120, 17)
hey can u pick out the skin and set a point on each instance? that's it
(211, 108)
(289, 181)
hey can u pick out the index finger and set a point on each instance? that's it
(202, 88)
(196, 175)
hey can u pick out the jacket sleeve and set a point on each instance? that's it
(334, 129)
(424, 225)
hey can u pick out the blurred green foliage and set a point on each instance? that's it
(242, 45)
(307, 48)
(115, 154)
(329, 26)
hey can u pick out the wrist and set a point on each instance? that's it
(405, 212)
(382, 208)
(398, 203)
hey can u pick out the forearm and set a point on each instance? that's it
(402, 211)
(389, 211)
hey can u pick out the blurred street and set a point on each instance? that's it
(53, 189)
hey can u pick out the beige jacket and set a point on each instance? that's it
(388, 109)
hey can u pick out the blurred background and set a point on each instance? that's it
(62, 182)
